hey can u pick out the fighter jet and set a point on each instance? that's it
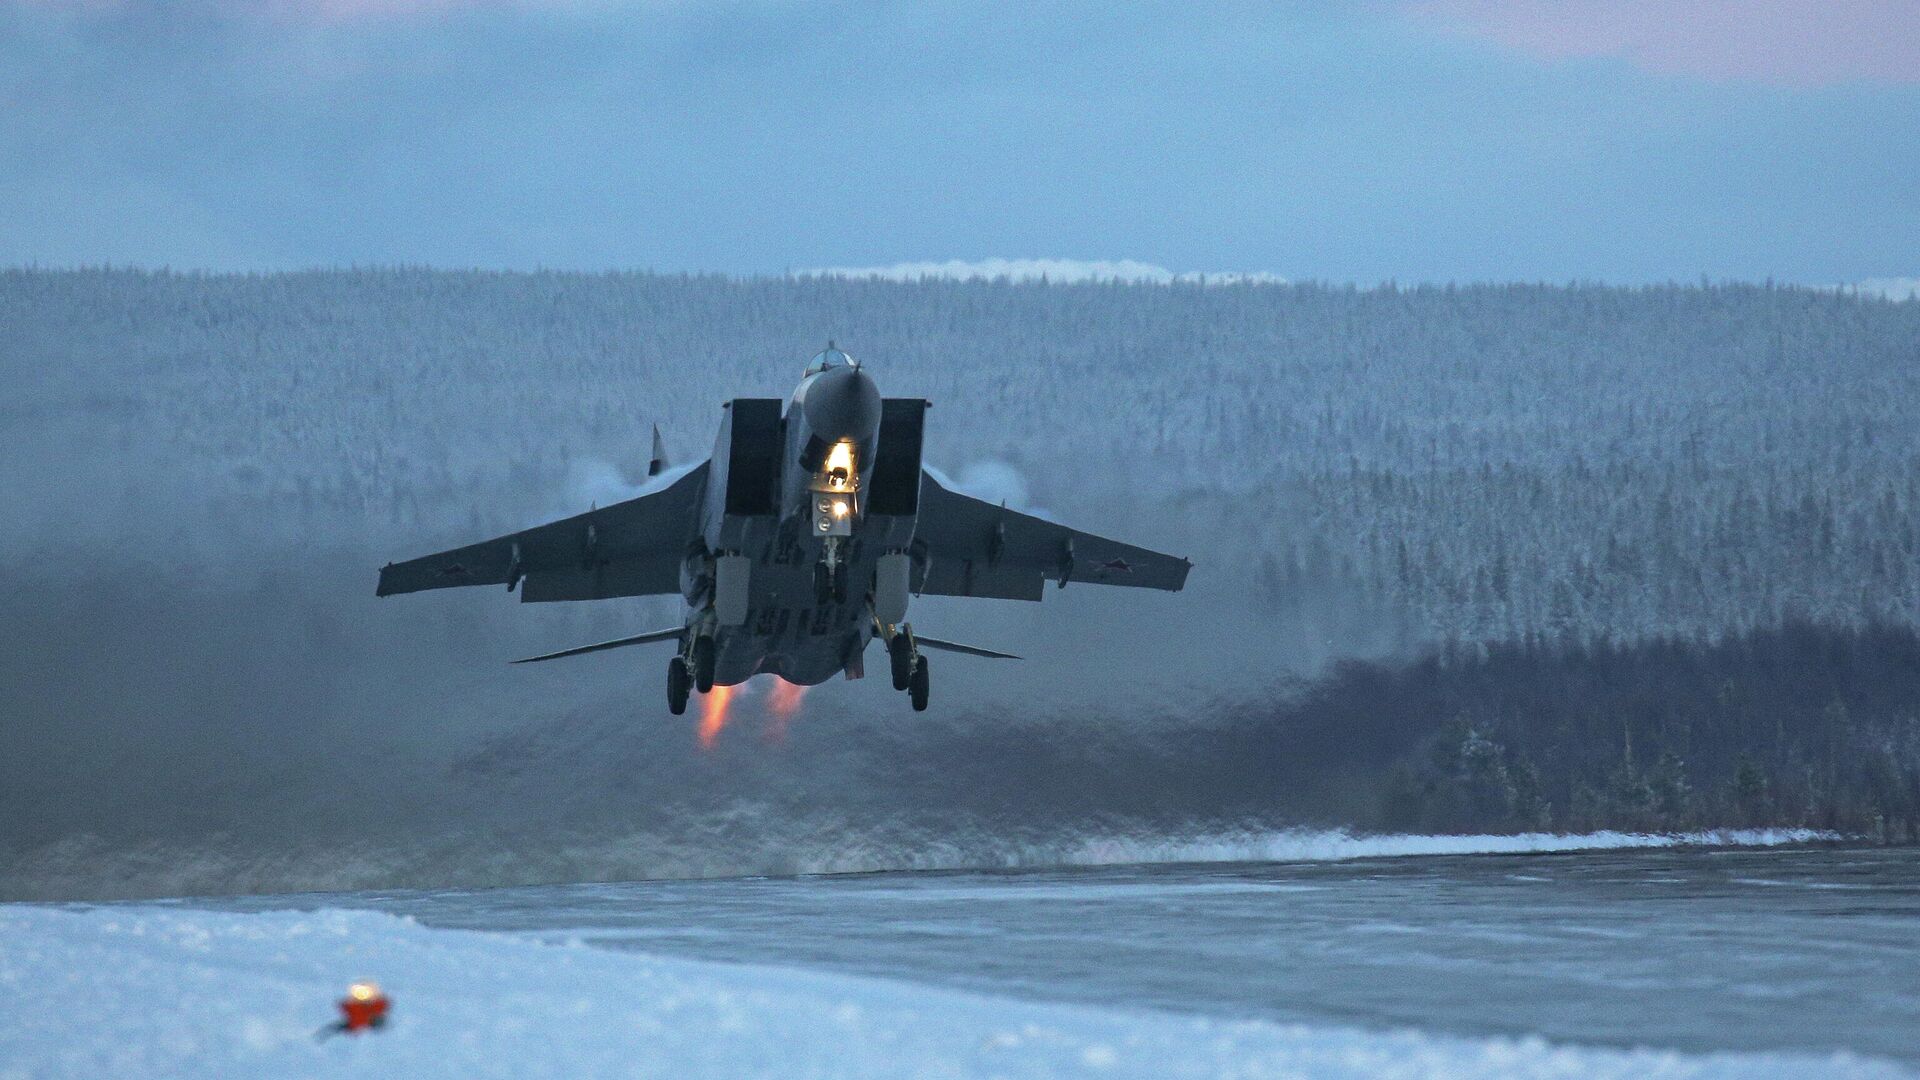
(799, 541)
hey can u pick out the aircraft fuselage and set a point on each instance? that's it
(810, 565)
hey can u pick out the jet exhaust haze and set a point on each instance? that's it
(283, 731)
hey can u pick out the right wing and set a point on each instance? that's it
(970, 547)
(926, 642)
(632, 548)
(672, 633)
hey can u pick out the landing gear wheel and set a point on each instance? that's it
(900, 651)
(703, 663)
(840, 584)
(679, 681)
(917, 685)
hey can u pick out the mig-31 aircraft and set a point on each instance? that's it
(800, 540)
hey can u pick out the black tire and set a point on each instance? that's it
(822, 585)
(900, 651)
(679, 681)
(917, 686)
(840, 584)
(703, 664)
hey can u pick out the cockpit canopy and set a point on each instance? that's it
(830, 358)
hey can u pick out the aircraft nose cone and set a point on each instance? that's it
(843, 403)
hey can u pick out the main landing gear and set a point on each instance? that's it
(688, 672)
(909, 667)
(917, 684)
(679, 683)
(701, 657)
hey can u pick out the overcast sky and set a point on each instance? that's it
(1424, 141)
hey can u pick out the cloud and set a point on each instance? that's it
(1056, 270)
(1893, 288)
(1787, 42)
(311, 12)
(994, 481)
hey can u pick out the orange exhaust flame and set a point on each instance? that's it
(782, 704)
(713, 714)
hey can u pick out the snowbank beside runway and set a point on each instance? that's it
(1335, 845)
(165, 991)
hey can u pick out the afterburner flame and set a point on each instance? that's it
(782, 703)
(785, 699)
(713, 714)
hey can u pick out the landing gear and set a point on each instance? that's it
(679, 681)
(917, 684)
(702, 662)
(829, 583)
(909, 666)
(900, 651)
(830, 573)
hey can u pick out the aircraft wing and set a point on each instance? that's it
(671, 633)
(971, 547)
(925, 642)
(632, 548)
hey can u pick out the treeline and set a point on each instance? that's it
(1793, 726)
(1583, 461)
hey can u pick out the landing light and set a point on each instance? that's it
(840, 465)
(840, 508)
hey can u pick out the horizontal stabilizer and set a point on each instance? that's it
(638, 639)
(954, 646)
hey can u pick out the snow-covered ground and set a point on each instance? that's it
(152, 991)
(1333, 845)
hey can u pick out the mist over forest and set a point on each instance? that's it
(1485, 557)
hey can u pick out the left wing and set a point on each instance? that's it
(632, 548)
(970, 547)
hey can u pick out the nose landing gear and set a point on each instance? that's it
(829, 583)
(830, 573)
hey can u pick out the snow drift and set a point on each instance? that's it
(150, 991)
(759, 843)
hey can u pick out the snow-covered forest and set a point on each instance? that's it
(1494, 461)
(1491, 557)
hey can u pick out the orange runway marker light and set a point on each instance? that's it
(363, 1009)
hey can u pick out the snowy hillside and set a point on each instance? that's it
(1610, 485)
(1493, 459)
(205, 994)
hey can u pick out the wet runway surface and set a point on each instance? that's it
(1688, 949)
